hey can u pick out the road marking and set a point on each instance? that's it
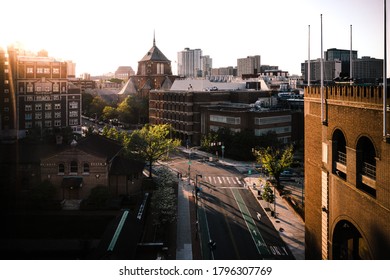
(220, 181)
(239, 181)
(227, 178)
(250, 223)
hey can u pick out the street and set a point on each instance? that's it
(232, 224)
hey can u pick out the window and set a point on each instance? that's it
(6, 90)
(73, 166)
(6, 100)
(38, 107)
(46, 70)
(38, 116)
(57, 115)
(57, 106)
(61, 168)
(73, 122)
(366, 166)
(56, 70)
(47, 106)
(6, 71)
(277, 130)
(30, 70)
(73, 105)
(57, 123)
(28, 124)
(56, 88)
(6, 109)
(28, 116)
(73, 114)
(272, 120)
(86, 168)
(38, 88)
(47, 123)
(339, 154)
(224, 119)
(28, 107)
(6, 82)
(30, 88)
(39, 70)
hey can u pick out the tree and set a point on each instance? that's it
(268, 194)
(151, 143)
(164, 198)
(275, 161)
(109, 113)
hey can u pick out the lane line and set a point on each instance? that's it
(261, 246)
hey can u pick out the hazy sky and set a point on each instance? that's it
(101, 35)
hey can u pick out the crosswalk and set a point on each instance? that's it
(223, 180)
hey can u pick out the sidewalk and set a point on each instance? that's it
(288, 223)
(184, 242)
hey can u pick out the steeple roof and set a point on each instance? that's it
(154, 54)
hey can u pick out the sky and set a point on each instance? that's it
(101, 35)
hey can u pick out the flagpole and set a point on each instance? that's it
(322, 76)
(385, 135)
(308, 61)
(350, 59)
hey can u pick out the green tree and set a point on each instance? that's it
(96, 107)
(164, 198)
(109, 113)
(275, 161)
(151, 143)
(207, 139)
(268, 194)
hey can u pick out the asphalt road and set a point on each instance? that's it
(228, 213)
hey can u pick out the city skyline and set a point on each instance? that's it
(101, 36)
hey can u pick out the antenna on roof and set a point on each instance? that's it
(154, 38)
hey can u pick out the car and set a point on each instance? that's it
(286, 173)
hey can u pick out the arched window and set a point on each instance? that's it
(61, 168)
(366, 166)
(85, 168)
(339, 154)
(73, 166)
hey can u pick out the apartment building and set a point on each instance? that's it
(36, 93)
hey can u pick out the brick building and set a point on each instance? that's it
(347, 174)
(36, 93)
(94, 161)
(195, 111)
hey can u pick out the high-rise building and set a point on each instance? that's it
(367, 69)
(344, 56)
(36, 93)
(189, 63)
(347, 178)
(207, 65)
(248, 66)
(337, 64)
(332, 70)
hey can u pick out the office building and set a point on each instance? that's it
(332, 70)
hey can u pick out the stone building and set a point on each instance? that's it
(347, 173)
